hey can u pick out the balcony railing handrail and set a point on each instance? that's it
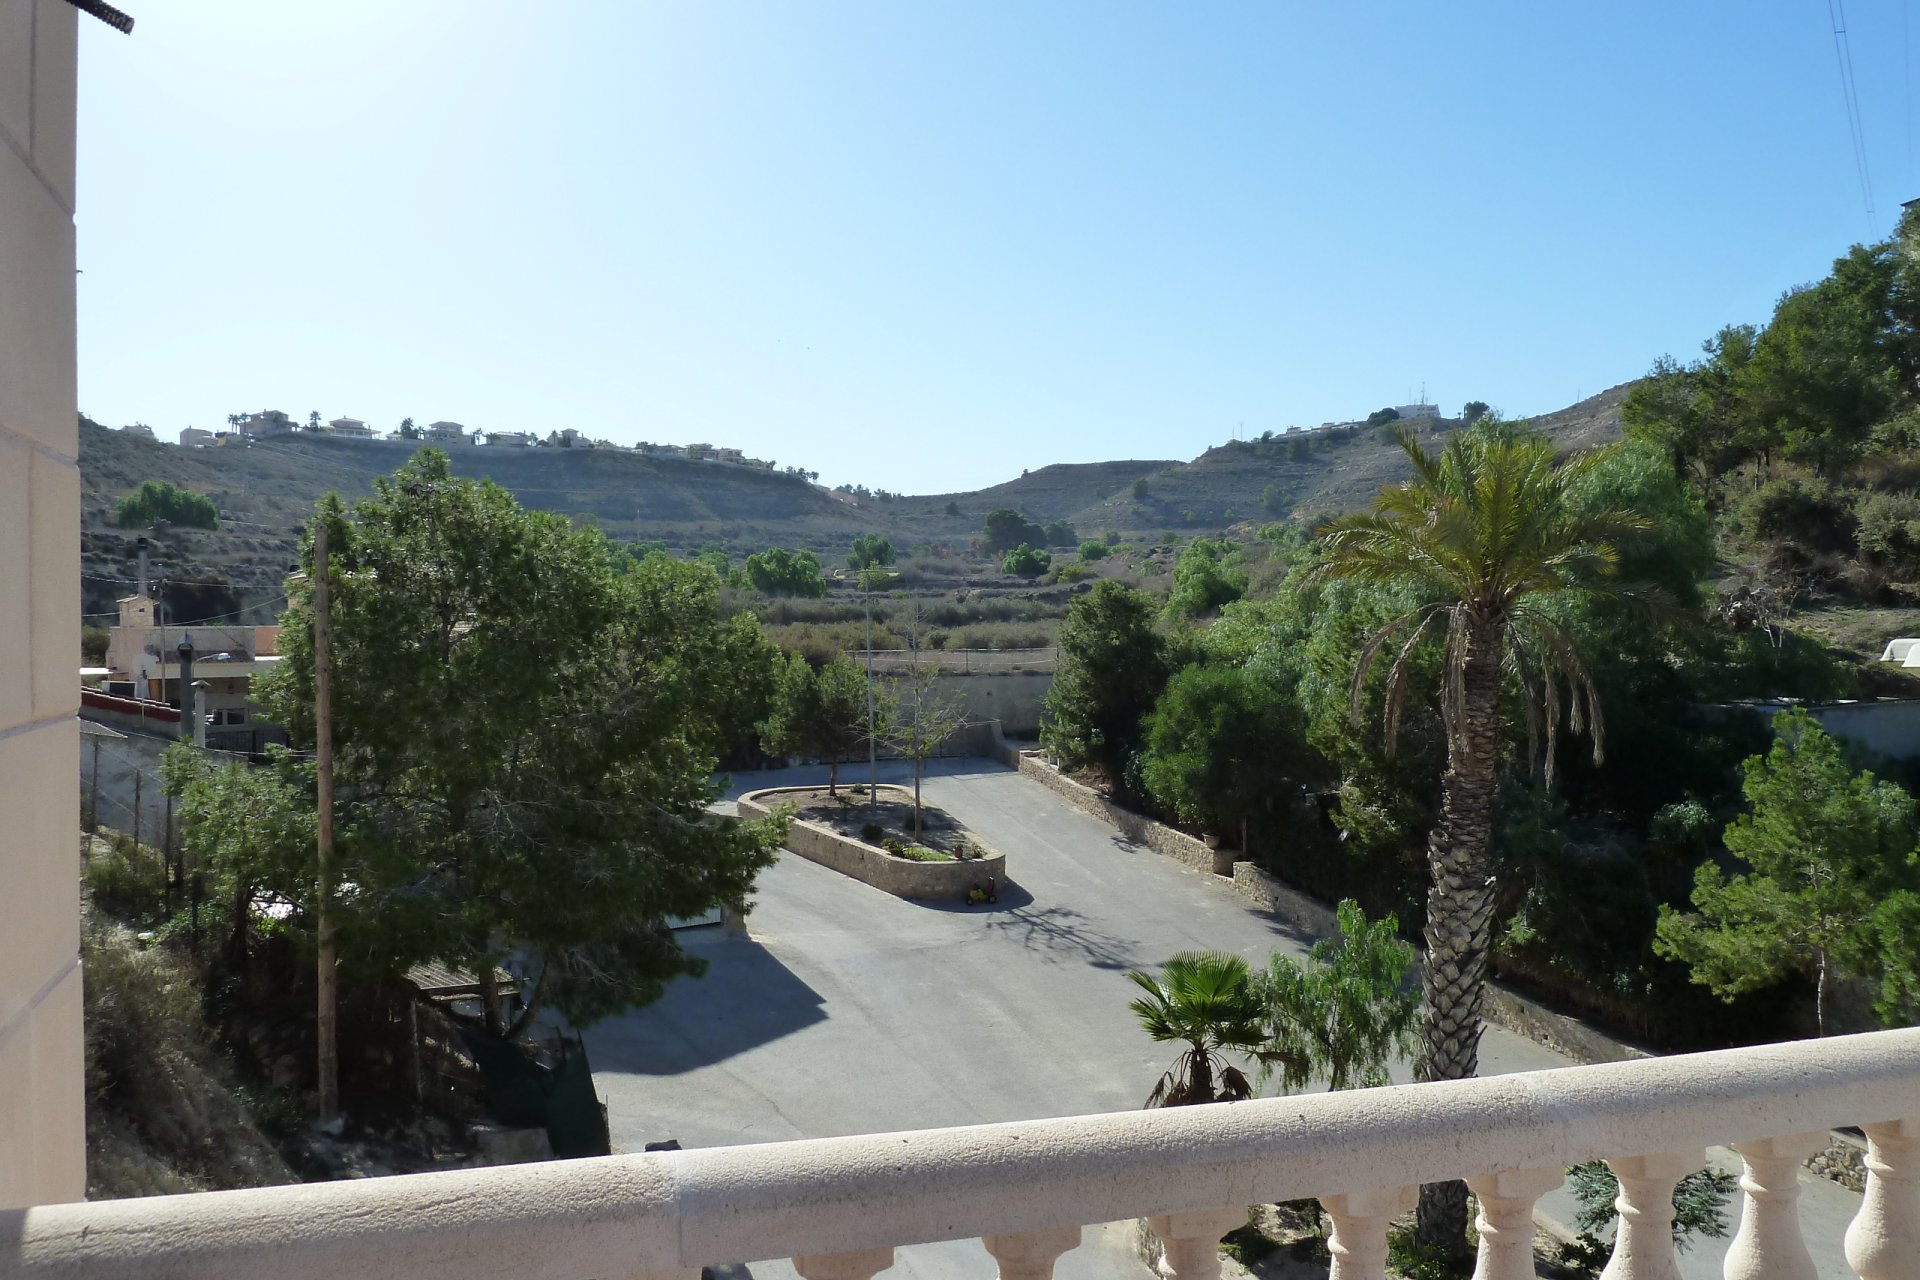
(672, 1212)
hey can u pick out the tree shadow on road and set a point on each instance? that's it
(747, 998)
(1066, 933)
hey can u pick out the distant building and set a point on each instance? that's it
(267, 423)
(146, 655)
(568, 438)
(350, 427)
(138, 429)
(447, 433)
(732, 455)
(702, 453)
(510, 437)
(1417, 410)
(195, 438)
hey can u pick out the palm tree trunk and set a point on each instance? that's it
(1460, 912)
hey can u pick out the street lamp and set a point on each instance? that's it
(186, 688)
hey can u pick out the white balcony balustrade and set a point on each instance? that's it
(839, 1207)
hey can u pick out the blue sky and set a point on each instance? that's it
(924, 246)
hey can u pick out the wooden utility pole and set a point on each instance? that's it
(325, 1025)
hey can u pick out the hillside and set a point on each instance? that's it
(266, 489)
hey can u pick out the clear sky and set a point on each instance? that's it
(923, 246)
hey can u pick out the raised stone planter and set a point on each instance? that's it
(901, 877)
(1157, 836)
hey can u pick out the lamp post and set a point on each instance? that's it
(186, 688)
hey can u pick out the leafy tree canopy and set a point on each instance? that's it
(1474, 410)
(158, 500)
(1206, 578)
(869, 551)
(1026, 561)
(1348, 1013)
(1006, 529)
(525, 742)
(779, 572)
(1112, 667)
(1833, 876)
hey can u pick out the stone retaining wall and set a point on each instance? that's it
(1157, 836)
(900, 877)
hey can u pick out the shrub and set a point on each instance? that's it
(1092, 550)
(1026, 561)
(162, 500)
(1140, 489)
(1074, 572)
(1808, 513)
(872, 832)
(1889, 525)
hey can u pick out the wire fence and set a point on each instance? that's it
(961, 661)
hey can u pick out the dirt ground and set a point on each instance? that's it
(850, 813)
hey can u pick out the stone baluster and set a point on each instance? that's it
(1192, 1240)
(1643, 1241)
(1768, 1245)
(1030, 1255)
(1506, 1220)
(859, 1264)
(1358, 1242)
(1884, 1241)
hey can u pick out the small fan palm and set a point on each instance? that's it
(1488, 530)
(1206, 1000)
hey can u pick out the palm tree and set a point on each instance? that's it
(1204, 999)
(1488, 531)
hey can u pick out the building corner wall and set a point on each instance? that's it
(42, 1073)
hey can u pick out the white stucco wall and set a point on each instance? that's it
(42, 1150)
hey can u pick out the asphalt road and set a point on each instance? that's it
(845, 1010)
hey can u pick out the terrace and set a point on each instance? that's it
(839, 1207)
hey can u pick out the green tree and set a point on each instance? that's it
(1348, 1012)
(1487, 534)
(1140, 489)
(821, 714)
(1060, 534)
(1093, 549)
(1222, 746)
(1832, 873)
(919, 716)
(1699, 1209)
(1206, 578)
(407, 430)
(952, 508)
(525, 743)
(1006, 529)
(1380, 417)
(1026, 561)
(1300, 448)
(158, 500)
(870, 550)
(1474, 411)
(779, 572)
(250, 831)
(1204, 1000)
(1112, 667)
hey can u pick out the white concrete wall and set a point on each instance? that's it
(42, 1148)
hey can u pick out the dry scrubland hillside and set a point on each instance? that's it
(266, 489)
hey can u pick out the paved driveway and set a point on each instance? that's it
(846, 1010)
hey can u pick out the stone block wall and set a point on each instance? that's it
(42, 1113)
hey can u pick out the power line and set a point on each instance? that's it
(1843, 56)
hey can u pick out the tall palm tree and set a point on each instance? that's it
(1488, 530)
(1206, 1000)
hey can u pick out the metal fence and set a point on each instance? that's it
(961, 661)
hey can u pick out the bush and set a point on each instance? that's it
(1092, 550)
(1026, 561)
(162, 500)
(1812, 514)
(872, 832)
(1074, 572)
(1889, 530)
